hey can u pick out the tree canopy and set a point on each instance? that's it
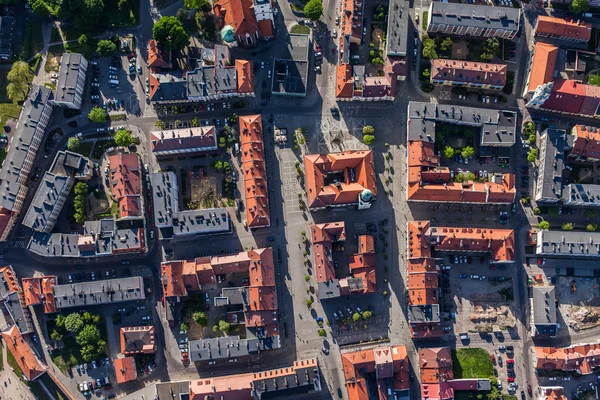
(106, 48)
(369, 139)
(73, 322)
(580, 6)
(224, 326)
(73, 144)
(544, 225)
(368, 130)
(203, 5)
(97, 115)
(200, 318)
(19, 78)
(169, 33)
(313, 9)
(429, 48)
(467, 152)
(123, 138)
(448, 152)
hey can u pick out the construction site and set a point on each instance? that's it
(579, 301)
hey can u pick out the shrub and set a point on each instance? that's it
(369, 139)
(322, 333)
(591, 227)
(567, 226)
(545, 225)
(307, 278)
(309, 303)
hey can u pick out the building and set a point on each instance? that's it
(254, 173)
(381, 370)
(54, 188)
(552, 393)
(38, 291)
(290, 72)
(586, 144)
(71, 81)
(157, 60)
(542, 65)
(582, 358)
(428, 181)
(468, 74)
(340, 180)
(255, 300)
(238, 22)
(303, 377)
(462, 19)
(435, 365)
(195, 140)
(7, 25)
(396, 44)
(24, 356)
(82, 294)
(12, 300)
(559, 28)
(425, 242)
(212, 76)
(137, 340)
(568, 244)
(326, 239)
(126, 184)
(125, 369)
(543, 310)
(567, 97)
(22, 151)
(552, 163)
(174, 223)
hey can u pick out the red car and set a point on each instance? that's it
(510, 379)
(510, 361)
(493, 357)
(529, 390)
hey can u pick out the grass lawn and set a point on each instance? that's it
(52, 388)
(472, 363)
(9, 110)
(68, 356)
(13, 363)
(73, 33)
(301, 29)
(594, 80)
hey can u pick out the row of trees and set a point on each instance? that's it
(81, 191)
(83, 13)
(368, 134)
(466, 152)
(201, 319)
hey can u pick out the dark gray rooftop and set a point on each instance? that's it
(544, 309)
(171, 220)
(171, 88)
(24, 143)
(329, 290)
(568, 244)
(108, 291)
(497, 127)
(290, 72)
(281, 386)
(229, 347)
(581, 194)
(18, 314)
(552, 163)
(397, 33)
(476, 16)
(428, 313)
(179, 390)
(69, 73)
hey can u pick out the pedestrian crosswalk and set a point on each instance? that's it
(16, 244)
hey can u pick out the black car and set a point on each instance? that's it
(522, 395)
(340, 393)
(114, 273)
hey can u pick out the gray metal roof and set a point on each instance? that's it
(18, 314)
(72, 69)
(290, 72)
(229, 347)
(568, 244)
(497, 127)
(552, 163)
(544, 310)
(24, 143)
(174, 222)
(54, 244)
(280, 386)
(470, 15)
(581, 195)
(397, 32)
(425, 313)
(92, 293)
(329, 290)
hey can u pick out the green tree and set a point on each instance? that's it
(89, 335)
(219, 165)
(309, 303)
(41, 8)
(356, 317)
(19, 78)
(448, 152)
(84, 40)
(429, 50)
(486, 57)
(369, 139)
(426, 74)
(73, 144)
(123, 5)
(532, 155)
(591, 227)
(56, 335)
(73, 322)
(446, 44)
(322, 333)
(470, 176)
(184, 326)
(88, 317)
(545, 225)
(223, 142)
(377, 61)
(159, 124)
(81, 189)
(106, 48)
(532, 139)
(169, 33)
(367, 315)
(224, 326)
(97, 115)
(215, 328)
(86, 12)
(459, 178)
(313, 9)
(567, 226)
(467, 152)
(196, 122)
(123, 138)
(203, 5)
(368, 130)
(529, 128)
(579, 6)
(60, 320)
(200, 318)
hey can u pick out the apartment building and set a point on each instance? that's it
(563, 29)
(71, 81)
(468, 74)
(194, 140)
(568, 244)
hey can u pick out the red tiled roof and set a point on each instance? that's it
(32, 291)
(48, 283)
(155, 59)
(254, 171)
(436, 370)
(583, 358)
(265, 26)
(468, 72)
(343, 81)
(184, 138)
(566, 96)
(245, 76)
(542, 65)
(22, 353)
(137, 340)
(322, 237)
(550, 26)
(357, 174)
(587, 141)
(238, 14)
(126, 185)
(172, 279)
(125, 369)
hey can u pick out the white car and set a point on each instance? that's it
(317, 68)
(269, 74)
(96, 97)
(114, 77)
(54, 75)
(95, 84)
(262, 64)
(94, 364)
(120, 127)
(334, 33)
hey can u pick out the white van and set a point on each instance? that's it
(113, 81)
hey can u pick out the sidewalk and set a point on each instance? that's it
(11, 387)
